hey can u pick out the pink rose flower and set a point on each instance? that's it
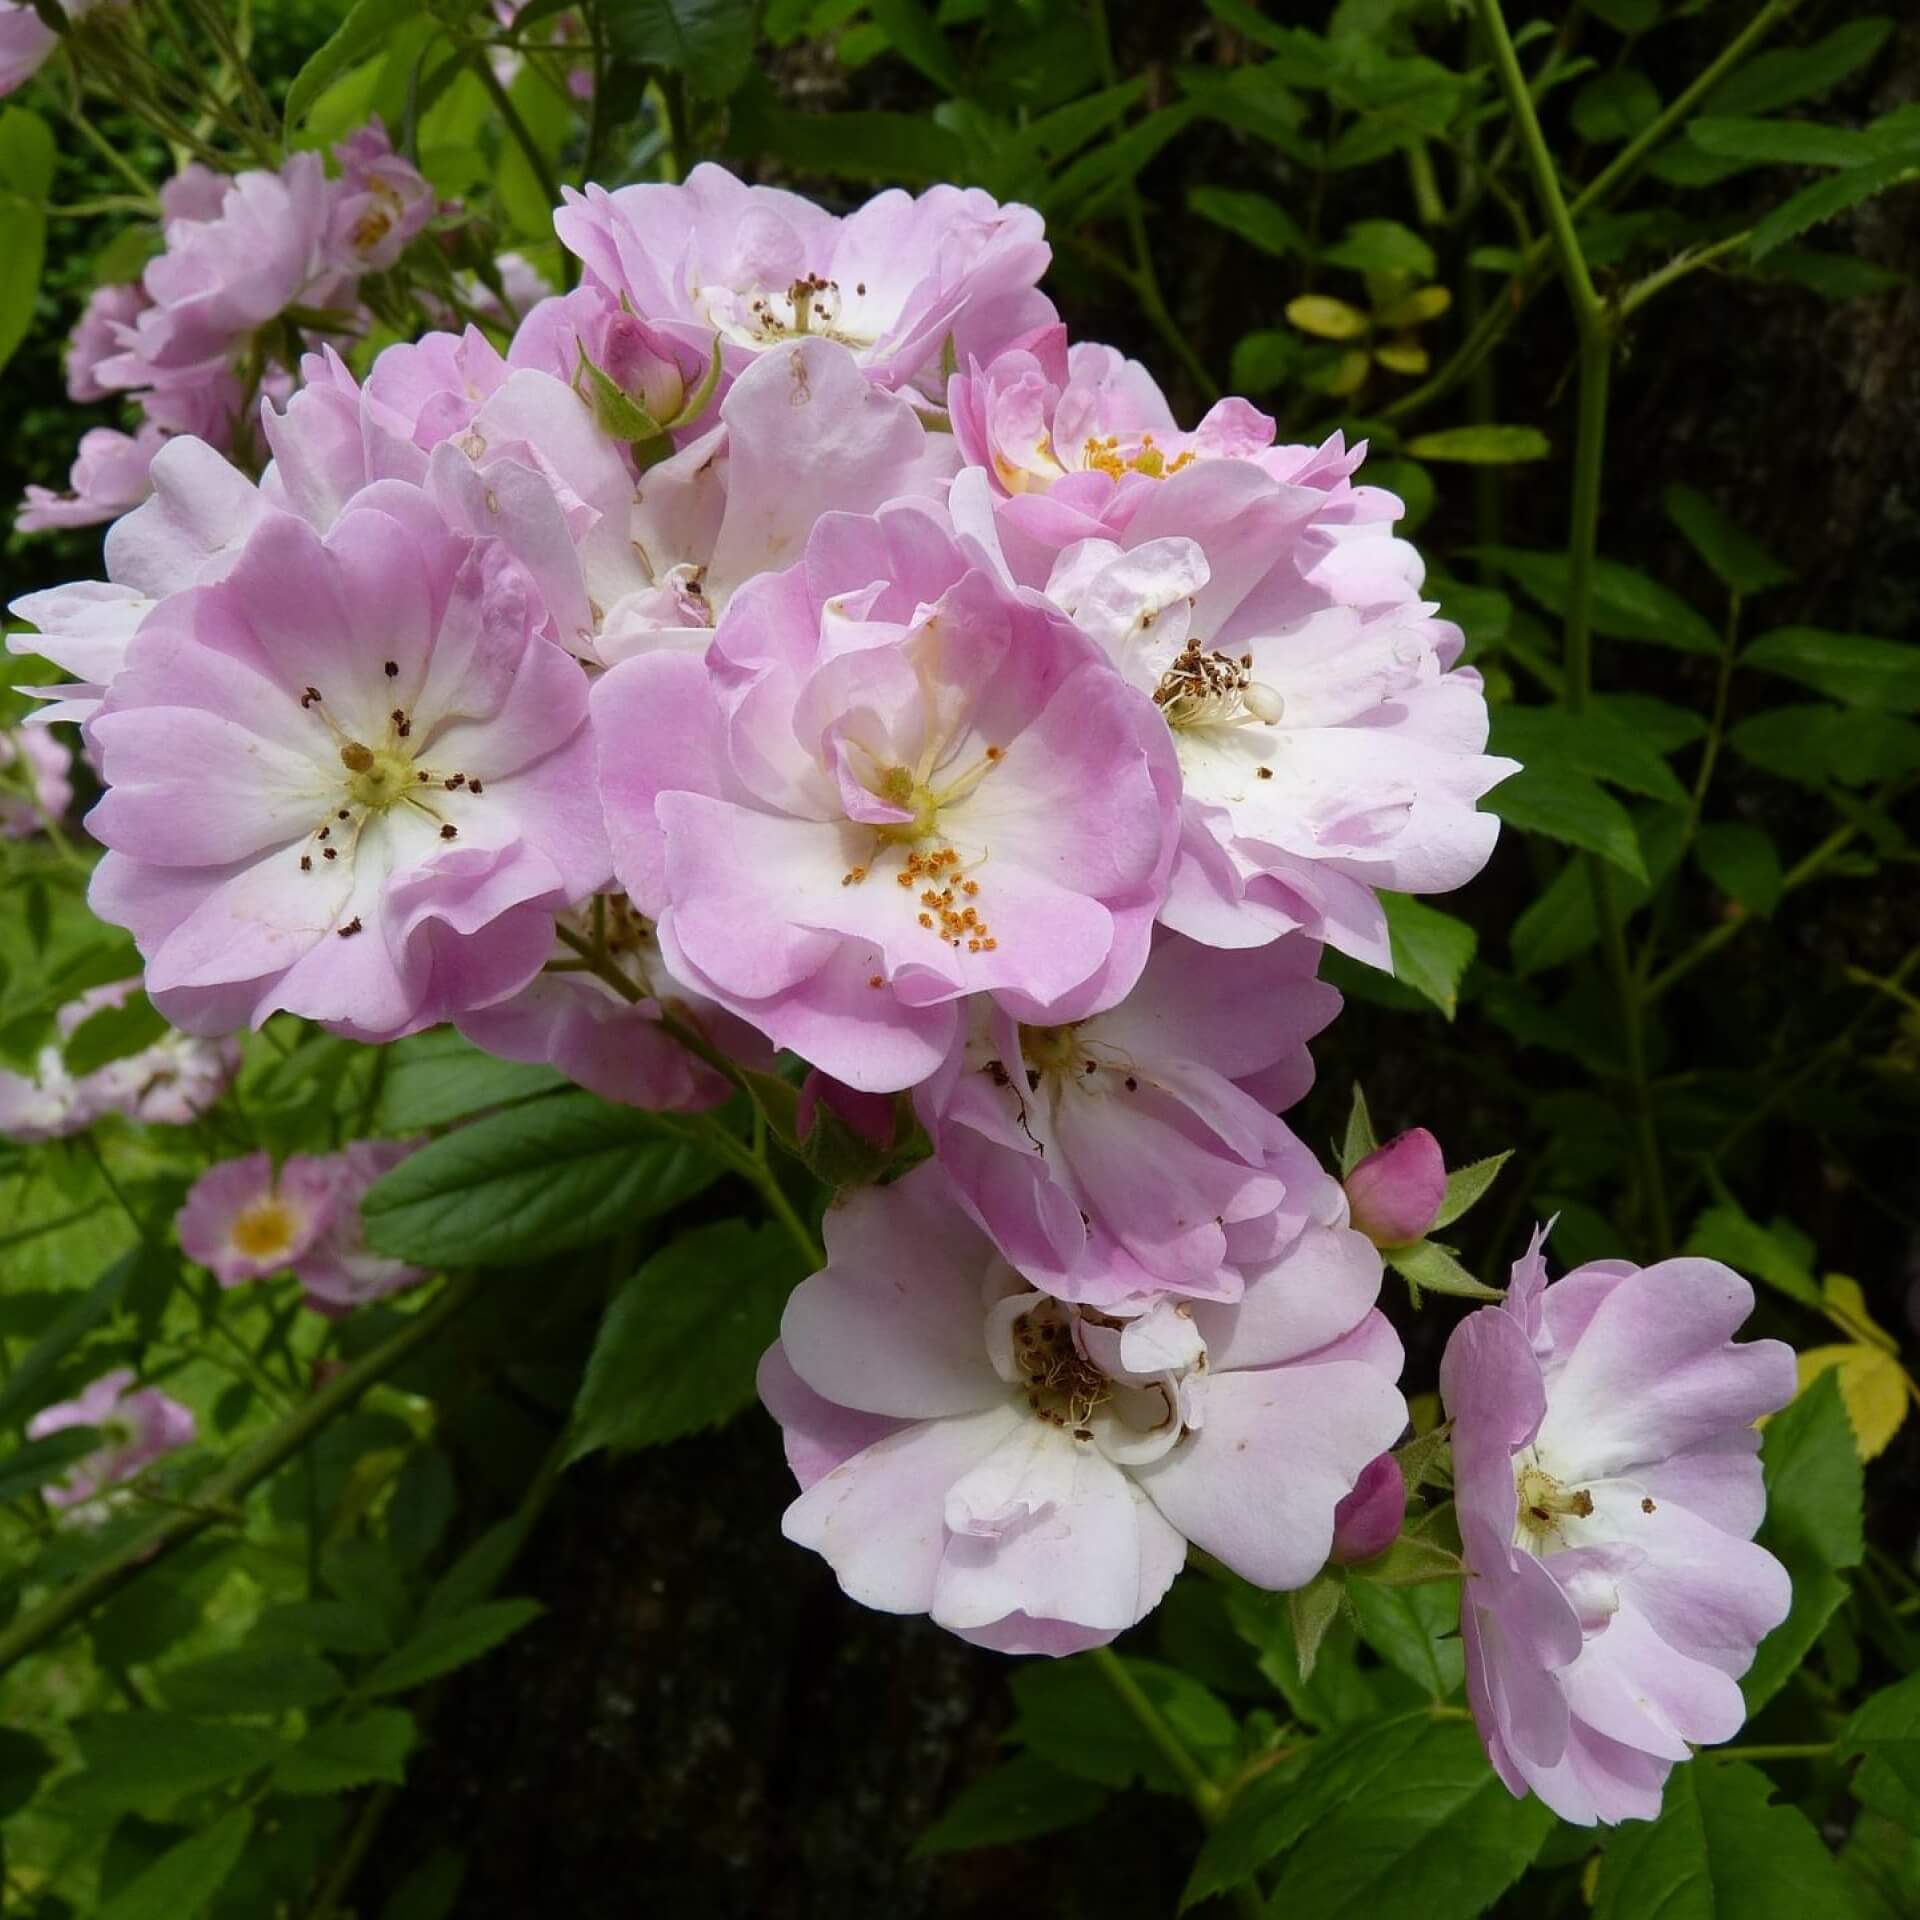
(169, 1084)
(347, 780)
(242, 1221)
(755, 266)
(137, 1426)
(190, 530)
(1396, 1191)
(110, 476)
(612, 1046)
(96, 335)
(1120, 1154)
(378, 205)
(890, 784)
(1608, 1485)
(1029, 1472)
(336, 1268)
(46, 767)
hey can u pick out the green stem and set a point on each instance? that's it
(1787, 1750)
(476, 57)
(228, 1488)
(1208, 1800)
(1678, 268)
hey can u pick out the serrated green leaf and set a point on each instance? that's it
(186, 1877)
(1719, 1851)
(1431, 950)
(1732, 552)
(1741, 861)
(453, 1642)
(1312, 1610)
(1384, 246)
(1615, 106)
(438, 1076)
(249, 1680)
(1626, 604)
(1413, 1560)
(1853, 667)
(332, 1626)
(1254, 217)
(1789, 74)
(1725, 1233)
(1359, 1140)
(26, 178)
(1787, 143)
(364, 33)
(1885, 1730)
(1020, 1800)
(1068, 1714)
(1414, 1627)
(1465, 1185)
(535, 1180)
(1599, 744)
(112, 1034)
(710, 42)
(1430, 1267)
(340, 1755)
(678, 1347)
(132, 1759)
(1826, 199)
(1571, 808)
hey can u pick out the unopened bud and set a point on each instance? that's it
(1367, 1522)
(637, 366)
(1396, 1191)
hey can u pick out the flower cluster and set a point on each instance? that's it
(789, 640)
(250, 262)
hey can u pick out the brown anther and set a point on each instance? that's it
(306, 863)
(1033, 1080)
(356, 758)
(904, 879)
(990, 944)
(996, 753)
(423, 776)
(1263, 773)
(392, 669)
(1646, 1505)
(324, 831)
(474, 786)
(926, 919)
(1132, 1085)
(448, 831)
(343, 814)
(329, 853)
(1089, 1066)
(310, 697)
(875, 981)
(350, 929)
(454, 781)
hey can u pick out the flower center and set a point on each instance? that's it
(264, 1229)
(1545, 1503)
(1106, 456)
(1211, 689)
(1052, 1050)
(377, 776)
(1063, 1386)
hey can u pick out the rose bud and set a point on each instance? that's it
(1396, 1191)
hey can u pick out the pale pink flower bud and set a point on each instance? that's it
(648, 376)
(1367, 1522)
(1396, 1191)
(869, 1115)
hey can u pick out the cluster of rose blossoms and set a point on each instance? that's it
(794, 619)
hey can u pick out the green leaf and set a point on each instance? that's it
(1430, 1267)
(1886, 1730)
(1815, 1494)
(1741, 861)
(1482, 446)
(332, 1626)
(709, 41)
(430, 1891)
(363, 33)
(1598, 743)
(83, 1313)
(1719, 1851)
(41, 1462)
(450, 1643)
(186, 1877)
(26, 178)
(1833, 276)
(681, 1339)
(1415, 1628)
(1827, 198)
(1788, 74)
(1787, 143)
(1253, 216)
(438, 1076)
(1626, 604)
(341, 1755)
(1568, 807)
(1733, 553)
(112, 1034)
(1066, 1712)
(1385, 246)
(535, 1180)
(1465, 1185)
(1416, 1828)
(249, 1680)
(886, 148)
(1431, 949)
(1311, 1611)
(1084, 185)
(24, 1763)
(132, 1759)
(1725, 1233)
(1851, 667)
(1017, 1801)
(1615, 106)
(917, 40)
(1359, 1140)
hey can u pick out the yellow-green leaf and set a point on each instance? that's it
(1326, 318)
(1872, 1386)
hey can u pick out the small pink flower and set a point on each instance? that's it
(1396, 1191)
(379, 204)
(336, 1268)
(756, 266)
(891, 784)
(110, 477)
(1030, 1472)
(137, 1427)
(1367, 1522)
(169, 1084)
(96, 336)
(243, 1221)
(1607, 1478)
(47, 767)
(348, 780)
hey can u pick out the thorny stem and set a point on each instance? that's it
(1595, 331)
(1208, 1800)
(228, 1488)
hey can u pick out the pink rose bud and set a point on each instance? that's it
(641, 369)
(1396, 1191)
(869, 1115)
(1367, 1521)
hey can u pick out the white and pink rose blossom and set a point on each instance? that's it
(137, 1426)
(1607, 1479)
(1030, 1472)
